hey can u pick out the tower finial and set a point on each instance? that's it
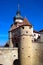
(18, 11)
(18, 7)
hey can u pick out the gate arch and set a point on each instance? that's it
(16, 62)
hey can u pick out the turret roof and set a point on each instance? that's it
(26, 22)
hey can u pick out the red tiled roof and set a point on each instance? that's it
(26, 22)
(13, 27)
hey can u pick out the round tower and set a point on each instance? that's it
(26, 32)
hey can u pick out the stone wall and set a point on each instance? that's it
(8, 55)
(37, 53)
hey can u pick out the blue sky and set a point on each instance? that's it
(32, 9)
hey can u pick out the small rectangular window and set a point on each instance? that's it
(26, 31)
(23, 27)
(34, 34)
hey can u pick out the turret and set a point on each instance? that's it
(25, 43)
(18, 20)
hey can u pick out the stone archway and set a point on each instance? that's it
(16, 62)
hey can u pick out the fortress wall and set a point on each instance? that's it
(37, 53)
